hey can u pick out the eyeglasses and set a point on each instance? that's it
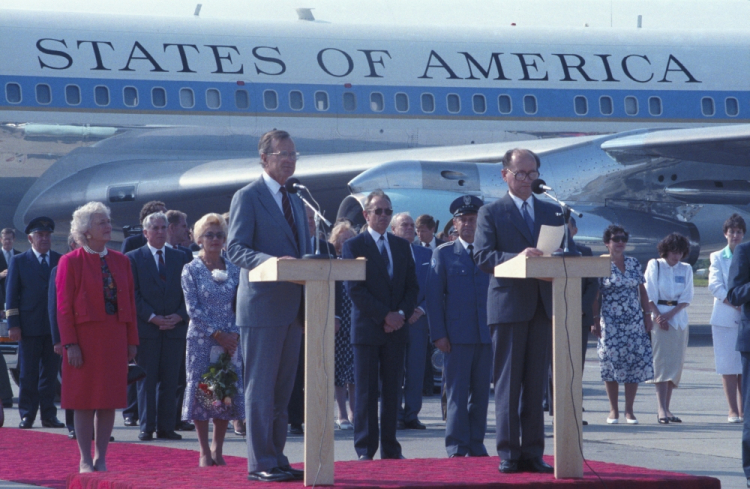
(293, 155)
(379, 211)
(214, 235)
(619, 239)
(522, 175)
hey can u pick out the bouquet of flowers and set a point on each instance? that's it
(220, 382)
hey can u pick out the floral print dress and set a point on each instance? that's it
(624, 348)
(209, 305)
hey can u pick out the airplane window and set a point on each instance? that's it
(43, 93)
(321, 101)
(631, 105)
(213, 98)
(581, 105)
(731, 106)
(73, 95)
(270, 100)
(187, 98)
(480, 104)
(654, 106)
(707, 106)
(454, 103)
(529, 104)
(504, 104)
(158, 97)
(350, 101)
(402, 102)
(296, 101)
(101, 95)
(13, 93)
(241, 99)
(376, 102)
(125, 193)
(130, 96)
(428, 102)
(605, 105)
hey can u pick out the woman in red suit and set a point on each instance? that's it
(97, 319)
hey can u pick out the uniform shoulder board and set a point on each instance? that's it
(445, 245)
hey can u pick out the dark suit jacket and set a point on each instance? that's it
(738, 294)
(589, 288)
(501, 234)
(422, 257)
(133, 243)
(154, 296)
(27, 289)
(52, 307)
(3, 267)
(378, 294)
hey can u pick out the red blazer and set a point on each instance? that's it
(80, 293)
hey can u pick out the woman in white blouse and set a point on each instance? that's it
(725, 318)
(669, 284)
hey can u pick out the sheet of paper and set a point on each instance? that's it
(550, 238)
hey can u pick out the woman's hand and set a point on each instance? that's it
(228, 341)
(596, 330)
(663, 322)
(132, 350)
(75, 358)
(648, 322)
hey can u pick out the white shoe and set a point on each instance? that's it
(631, 421)
(613, 420)
(345, 425)
(734, 419)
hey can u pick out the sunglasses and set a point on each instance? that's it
(212, 235)
(619, 239)
(379, 211)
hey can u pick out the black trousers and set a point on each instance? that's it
(39, 367)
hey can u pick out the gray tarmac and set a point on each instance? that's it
(704, 444)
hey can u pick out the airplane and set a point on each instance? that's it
(648, 128)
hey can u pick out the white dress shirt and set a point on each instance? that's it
(465, 244)
(670, 284)
(519, 203)
(376, 236)
(156, 257)
(39, 256)
(8, 255)
(274, 187)
(432, 244)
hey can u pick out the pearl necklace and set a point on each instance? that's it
(101, 254)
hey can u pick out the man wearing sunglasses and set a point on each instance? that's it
(381, 305)
(266, 222)
(519, 313)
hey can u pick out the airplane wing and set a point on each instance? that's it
(725, 145)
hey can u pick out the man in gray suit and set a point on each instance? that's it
(457, 311)
(266, 222)
(519, 312)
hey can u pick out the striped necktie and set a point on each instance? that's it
(288, 214)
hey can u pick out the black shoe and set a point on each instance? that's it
(168, 435)
(184, 426)
(674, 419)
(296, 473)
(397, 457)
(130, 421)
(400, 425)
(457, 455)
(71, 434)
(509, 467)
(52, 423)
(584, 422)
(296, 429)
(414, 424)
(26, 423)
(662, 420)
(365, 457)
(273, 475)
(536, 465)
(145, 436)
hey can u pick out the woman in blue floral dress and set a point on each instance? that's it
(210, 283)
(622, 326)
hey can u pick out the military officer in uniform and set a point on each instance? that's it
(28, 321)
(457, 315)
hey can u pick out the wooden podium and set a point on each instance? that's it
(566, 275)
(319, 277)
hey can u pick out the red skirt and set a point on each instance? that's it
(101, 382)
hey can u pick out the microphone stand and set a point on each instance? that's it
(566, 210)
(318, 217)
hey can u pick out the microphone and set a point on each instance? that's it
(292, 185)
(539, 186)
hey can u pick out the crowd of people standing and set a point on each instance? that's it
(215, 347)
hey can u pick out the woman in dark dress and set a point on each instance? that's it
(97, 320)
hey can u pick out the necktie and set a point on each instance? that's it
(162, 268)
(527, 217)
(384, 254)
(471, 251)
(45, 264)
(288, 215)
(426, 245)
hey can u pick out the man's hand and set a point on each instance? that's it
(174, 319)
(531, 252)
(75, 358)
(443, 345)
(132, 350)
(394, 321)
(4, 273)
(58, 348)
(15, 334)
(418, 313)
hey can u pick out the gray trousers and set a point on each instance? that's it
(271, 355)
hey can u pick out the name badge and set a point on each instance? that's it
(679, 279)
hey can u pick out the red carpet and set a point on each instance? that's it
(52, 461)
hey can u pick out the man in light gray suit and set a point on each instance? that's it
(266, 222)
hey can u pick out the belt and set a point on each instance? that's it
(667, 303)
